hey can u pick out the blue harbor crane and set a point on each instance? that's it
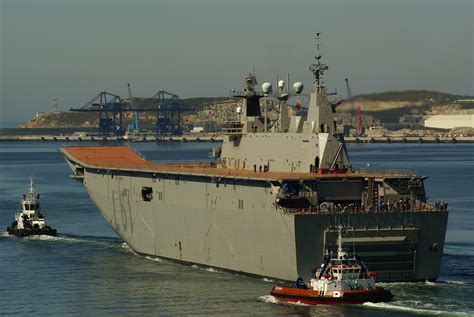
(167, 106)
(134, 127)
(109, 107)
(168, 116)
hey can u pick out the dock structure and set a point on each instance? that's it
(216, 138)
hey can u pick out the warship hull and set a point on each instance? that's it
(233, 224)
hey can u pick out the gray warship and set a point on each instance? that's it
(271, 202)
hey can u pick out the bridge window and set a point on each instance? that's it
(147, 193)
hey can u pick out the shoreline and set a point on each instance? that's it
(207, 138)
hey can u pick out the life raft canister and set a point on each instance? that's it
(298, 104)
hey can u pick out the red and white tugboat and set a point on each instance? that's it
(29, 220)
(339, 280)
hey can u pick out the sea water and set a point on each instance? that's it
(88, 270)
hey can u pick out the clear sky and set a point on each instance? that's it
(75, 48)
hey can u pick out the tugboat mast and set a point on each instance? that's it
(340, 251)
(32, 186)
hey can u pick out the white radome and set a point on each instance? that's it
(298, 87)
(238, 110)
(267, 88)
(281, 83)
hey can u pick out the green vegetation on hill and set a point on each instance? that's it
(412, 95)
(197, 103)
(394, 115)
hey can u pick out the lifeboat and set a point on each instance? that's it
(339, 280)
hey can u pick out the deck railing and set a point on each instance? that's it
(388, 208)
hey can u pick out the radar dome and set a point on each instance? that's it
(238, 110)
(267, 88)
(298, 87)
(281, 83)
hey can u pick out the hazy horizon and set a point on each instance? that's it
(74, 49)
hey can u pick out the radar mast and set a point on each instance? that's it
(318, 68)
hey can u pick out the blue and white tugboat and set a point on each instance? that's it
(29, 220)
(339, 280)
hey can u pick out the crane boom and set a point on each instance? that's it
(129, 90)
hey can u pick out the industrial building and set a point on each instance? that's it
(450, 121)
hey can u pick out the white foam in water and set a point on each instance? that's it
(454, 282)
(267, 280)
(272, 300)
(194, 266)
(4, 234)
(212, 270)
(393, 306)
(127, 248)
(57, 238)
(268, 299)
(430, 283)
(154, 259)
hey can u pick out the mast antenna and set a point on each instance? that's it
(318, 68)
(32, 186)
(339, 241)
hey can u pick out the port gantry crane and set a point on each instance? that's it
(168, 120)
(135, 128)
(109, 107)
(167, 106)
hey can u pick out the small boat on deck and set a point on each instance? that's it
(29, 220)
(339, 280)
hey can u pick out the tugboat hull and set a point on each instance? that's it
(32, 232)
(307, 296)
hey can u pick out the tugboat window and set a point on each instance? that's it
(147, 193)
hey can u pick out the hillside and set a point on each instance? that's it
(392, 107)
(411, 96)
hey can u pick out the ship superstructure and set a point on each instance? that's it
(271, 202)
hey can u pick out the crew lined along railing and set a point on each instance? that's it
(388, 207)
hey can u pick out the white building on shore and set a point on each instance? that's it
(451, 121)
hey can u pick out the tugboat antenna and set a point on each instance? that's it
(32, 186)
(339, 241)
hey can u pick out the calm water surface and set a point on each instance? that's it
(88, 270)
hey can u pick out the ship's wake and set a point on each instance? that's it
(272, 300)
(416, 307)
(68, 238)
